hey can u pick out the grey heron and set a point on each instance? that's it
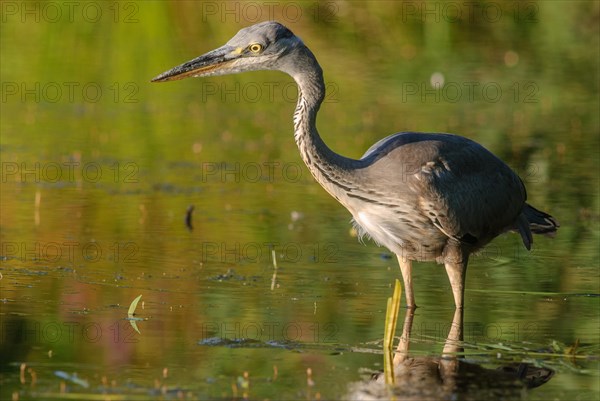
(424, 196)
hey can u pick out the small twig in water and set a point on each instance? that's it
(188, 217)
(274, 269)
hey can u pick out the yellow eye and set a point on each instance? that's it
(256, 48)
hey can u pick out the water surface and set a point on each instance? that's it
(99, 167)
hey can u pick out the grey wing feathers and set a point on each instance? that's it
(466, 191)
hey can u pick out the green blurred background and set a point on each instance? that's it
(99, 167)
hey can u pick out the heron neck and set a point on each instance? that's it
(329, 168)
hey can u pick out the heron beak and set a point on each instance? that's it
(215, 62)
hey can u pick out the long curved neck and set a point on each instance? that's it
(329, 168)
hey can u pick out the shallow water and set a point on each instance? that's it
(99, 167)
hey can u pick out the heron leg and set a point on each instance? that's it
(455, 261)
(401, 353)
(406, 269)
(449, 363)
(454, 340)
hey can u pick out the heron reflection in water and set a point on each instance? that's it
(448, 376)
(424, 196)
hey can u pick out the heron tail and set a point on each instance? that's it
(535, 221)
(540, 222)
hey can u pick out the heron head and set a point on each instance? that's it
(257, 47)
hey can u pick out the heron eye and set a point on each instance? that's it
(256, 48)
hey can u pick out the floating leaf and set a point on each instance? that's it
(133, 305)
(134, 325)
(131, 312)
